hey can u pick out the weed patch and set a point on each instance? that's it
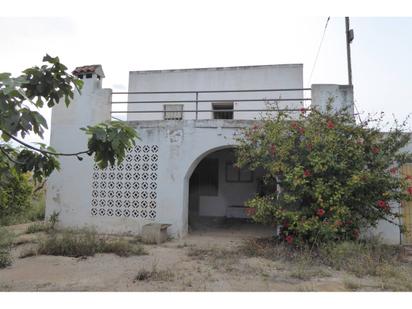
(154, 275)
(86, 243)
(6, 242)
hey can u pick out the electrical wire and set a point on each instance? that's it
(317, 54)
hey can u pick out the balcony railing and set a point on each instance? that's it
(147, 102)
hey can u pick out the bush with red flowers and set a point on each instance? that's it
(337, 176)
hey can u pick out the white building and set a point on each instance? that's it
(182, 167)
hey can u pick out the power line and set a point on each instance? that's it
(320, 45)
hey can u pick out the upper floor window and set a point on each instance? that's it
(222, 110)
(173, 111)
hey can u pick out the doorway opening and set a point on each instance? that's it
(218, 191)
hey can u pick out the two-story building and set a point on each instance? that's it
(182, 168)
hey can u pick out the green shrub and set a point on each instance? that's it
(336, 176)
(15, 197)
(6, 242)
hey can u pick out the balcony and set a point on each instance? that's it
(244, 104)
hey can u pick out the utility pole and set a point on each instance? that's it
(349, 39)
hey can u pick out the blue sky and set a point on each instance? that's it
(250, 35)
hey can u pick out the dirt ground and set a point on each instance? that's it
(179, 265)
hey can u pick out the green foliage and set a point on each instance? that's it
(109, 141)
(336, 176)
(6, 242)
(36, 203)
(19, 99)
(46, 84)
(15, 194)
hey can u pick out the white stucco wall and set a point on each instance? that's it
(341, 96)
(288, 76)
(68, 190)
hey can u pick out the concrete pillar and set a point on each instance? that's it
(68, 190)
(340, 96)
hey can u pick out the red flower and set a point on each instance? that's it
(408, 177)
(294, 125)
(320, 212)
(381, 204)
(375, 150)
(301, 130)
(410, 190)
(306, 173)
(303, 110)
(289, 239)
(393, 170)
(250, 211)
(330, 124)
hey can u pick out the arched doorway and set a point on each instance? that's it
(218, 190)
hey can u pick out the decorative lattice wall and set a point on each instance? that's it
(129, 189)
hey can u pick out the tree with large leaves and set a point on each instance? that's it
(20, 99)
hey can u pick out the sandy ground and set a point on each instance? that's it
(180, 269)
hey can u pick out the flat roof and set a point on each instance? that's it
(222, 68)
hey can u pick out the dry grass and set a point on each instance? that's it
(28, 253)
(154, 275)
(38, 227)
(351, 285)
(362, 259)
(86, 243)
(218, 258)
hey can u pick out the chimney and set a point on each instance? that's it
(91, 75)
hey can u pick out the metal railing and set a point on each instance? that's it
(197, 99)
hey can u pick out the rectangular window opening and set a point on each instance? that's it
(173, 111)
(222, 110)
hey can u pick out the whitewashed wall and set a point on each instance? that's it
(68, 190)
(231, 78)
